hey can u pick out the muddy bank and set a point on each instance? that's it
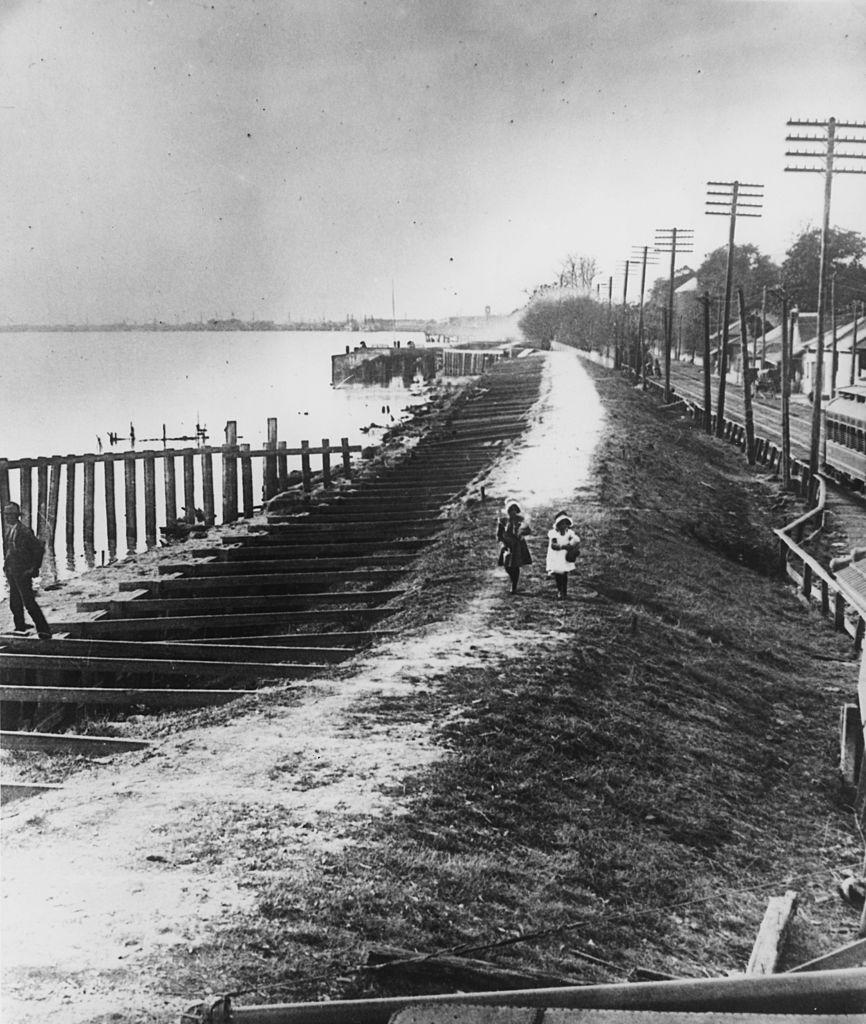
(627, 775)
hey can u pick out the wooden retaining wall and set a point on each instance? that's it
(187, 484)
(458, 362)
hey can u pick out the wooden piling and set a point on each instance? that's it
(188, 488)
(858, 635)
(25, 491)
(110, 512)
(270, 482)
(282, 467)
(247, 481)
(4, 482)
(70, 507)
(129, 507)
(53, 501)
(838, 612)
(150, 500)
(41, 496)
(207, 487)
(807, 580)
(305, 467)
(170, 487)
(347, 458)
(326, 462)
(825, 597)
(230, 474)
(89, 501)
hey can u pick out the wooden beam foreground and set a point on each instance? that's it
(68, 743)
(770, 942)
(120, 697)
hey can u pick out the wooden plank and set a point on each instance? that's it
(199, 625)
(234, 551)
(25, 491)
(247, 481)
(851, 955)
(283, 465)
(10, 791)
(169, 606)
(150, 500)
(41, 497)
(247, 582)
(306, 475)
(120, 697)
(70, 511)
(850, 743)
(348, 643)
(270, 472)
(111, 515)
(326, 462)
(169, 481)
(770, 941)
(323, 518)
(68, 743)
(155, 666)
(53, 501)
(131, 513)
(201, 569)
(89, 502)
(189, 488)
(207, 487)
(296, 648)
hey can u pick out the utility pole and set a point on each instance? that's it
(609, 311)
(621, 345)
(786, 389)
(763, 328)
(834, 359)
(827, 156)
(708, 397)
(732, 202)
(640, 356)
(854, 340)
(666, 241)
(747, 384)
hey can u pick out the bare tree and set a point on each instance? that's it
(577, 272)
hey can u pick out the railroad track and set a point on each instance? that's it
(845, 518)
(293, 595)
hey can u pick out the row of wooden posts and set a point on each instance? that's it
(237, 487)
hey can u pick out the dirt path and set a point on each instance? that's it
(101, 884)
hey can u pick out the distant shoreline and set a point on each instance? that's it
(223, 325)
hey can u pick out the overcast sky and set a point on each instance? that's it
(178, 158)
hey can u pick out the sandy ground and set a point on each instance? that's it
(100, 883)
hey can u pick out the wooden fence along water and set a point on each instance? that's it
(466, 362)
(193, 491)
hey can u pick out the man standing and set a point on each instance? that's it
(23, 558)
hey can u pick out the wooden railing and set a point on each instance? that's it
(243, 470)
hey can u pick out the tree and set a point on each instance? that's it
(571, 319)
(578, 272)
(752, 271)
(845, 252)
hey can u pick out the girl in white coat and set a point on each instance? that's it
(563, 547)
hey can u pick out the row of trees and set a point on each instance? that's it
(567, 311)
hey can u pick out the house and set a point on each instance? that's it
(804, 350)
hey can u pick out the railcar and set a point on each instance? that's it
(845, 433)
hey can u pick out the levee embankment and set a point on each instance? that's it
(585, 787)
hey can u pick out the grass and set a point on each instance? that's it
(633, 776)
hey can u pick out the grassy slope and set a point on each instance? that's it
(630, 764)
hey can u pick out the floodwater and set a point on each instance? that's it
(64, 393)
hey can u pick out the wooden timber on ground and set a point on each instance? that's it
(288, 597)
(66, 743)
(772, 934)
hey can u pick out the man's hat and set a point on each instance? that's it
(12, 506)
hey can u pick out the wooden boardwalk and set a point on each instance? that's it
(294, 594)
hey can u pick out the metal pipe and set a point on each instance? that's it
(837, 991)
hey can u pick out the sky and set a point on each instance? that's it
(179, 159)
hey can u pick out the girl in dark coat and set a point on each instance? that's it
(511, 532)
